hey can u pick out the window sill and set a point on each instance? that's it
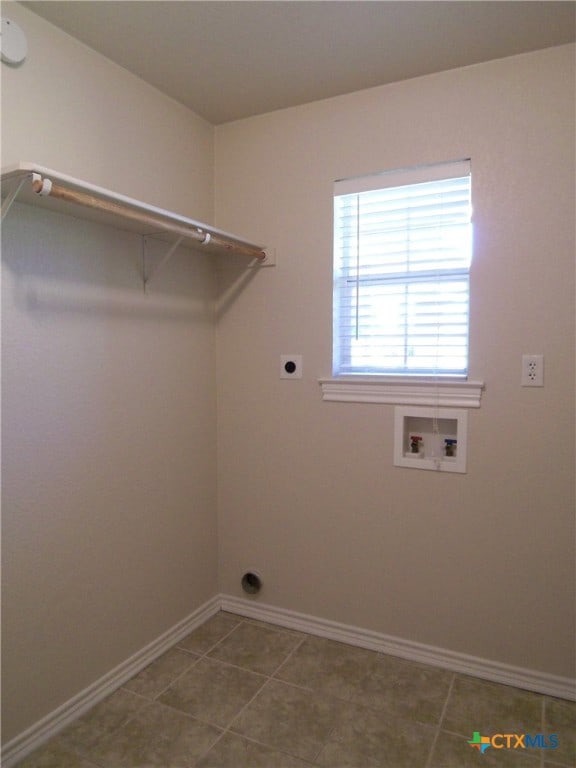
(400, 391)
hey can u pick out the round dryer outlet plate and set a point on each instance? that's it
(13, 43)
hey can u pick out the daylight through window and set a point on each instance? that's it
(402, 255)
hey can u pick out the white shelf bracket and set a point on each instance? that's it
(85, 200)
(148, 271)
(11, 197)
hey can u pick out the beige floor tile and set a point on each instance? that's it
(230, 615)
(55, 754)
(277, 628)
(156, 677)
(289, 719)
(366, 739)
(213, 691)
(404, 689)
(326, 705)
(102, 720)
(454, 752)
(329, 667)
(211, 632)
(549, 764)
(255, 647)
(560, 718)
(235, 752)
(158, 737)
(478, 705)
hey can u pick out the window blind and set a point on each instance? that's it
(402, 255)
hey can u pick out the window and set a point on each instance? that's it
(402, 254)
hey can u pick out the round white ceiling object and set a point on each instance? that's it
(13, 44)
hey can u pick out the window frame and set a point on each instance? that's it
(395, 179)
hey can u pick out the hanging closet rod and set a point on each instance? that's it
(45, 187)
(34, 183)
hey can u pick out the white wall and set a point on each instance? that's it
(71, 109)
(481, 563)
(109, 423)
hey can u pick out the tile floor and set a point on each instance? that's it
(238, 693)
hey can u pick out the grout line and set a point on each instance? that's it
(440, 722)
(147, 699)
(181, 674)
(216, 740)
(252, 740)
(267, 679)
(263, 624)
(196, 718)
(80, 749)
(210, 648)
(287, 659)
(272, 677)
(454, 733)
(196, 656)
(230, 730)
(237, 715)
(305, 760)
(212, 660)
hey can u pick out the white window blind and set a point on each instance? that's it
(402, 255)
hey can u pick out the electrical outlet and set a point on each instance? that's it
(532, 371)
(290, 366)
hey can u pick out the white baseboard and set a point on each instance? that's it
(485, 669)
(53, 723)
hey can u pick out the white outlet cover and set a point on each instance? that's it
(290, 366)
(532, 371)
(13, 43)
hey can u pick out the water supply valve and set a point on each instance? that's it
(449, 446)
(415, 441)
